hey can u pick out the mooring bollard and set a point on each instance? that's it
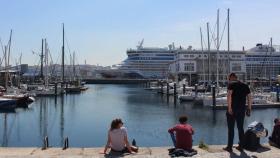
(45, 143)
(214, 96)
(184, 88)
(133, 142)
(167, 89)
(196, 89)
(66, 143)
(277, 92)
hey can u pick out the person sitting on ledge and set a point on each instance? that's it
(274, 140)
(183, 133)
(118, 139)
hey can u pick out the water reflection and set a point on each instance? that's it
(85, 118)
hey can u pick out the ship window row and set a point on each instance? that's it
(149, 58)
(262, 59)
(213, 56)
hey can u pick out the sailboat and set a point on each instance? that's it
(12, 95)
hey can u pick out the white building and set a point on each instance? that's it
(196, 66)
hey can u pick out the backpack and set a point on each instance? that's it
(251, 141)
(276, 134)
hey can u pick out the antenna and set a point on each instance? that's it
(140, 44)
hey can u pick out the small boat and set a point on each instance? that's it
(84, 88)
(6, 103)
(73, 89)
(189, 96)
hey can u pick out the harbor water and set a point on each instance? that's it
(85, 118)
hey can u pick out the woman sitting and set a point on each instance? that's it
(117, 139)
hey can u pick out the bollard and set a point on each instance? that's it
(167, 89)
(277, 92)
(196, 90)
(66, 143)
(214, 96)
(55, 89)
(184, 88)
(133, 142)
(45, 143)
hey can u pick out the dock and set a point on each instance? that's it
(256, 106)
(118, 81)
(213, 151)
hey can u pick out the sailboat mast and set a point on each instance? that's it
(62, 65)
(6, 68)
(271, 63)
(228, 41)
(202, 51)
(47, 64)
(74, 69)
(42, 60)
(218, 44)
(208, 39)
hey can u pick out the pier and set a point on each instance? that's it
(213, 151)
(118, 81)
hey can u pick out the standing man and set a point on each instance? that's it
(238, 93)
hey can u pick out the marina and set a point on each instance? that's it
(61, 117)
(140, 79)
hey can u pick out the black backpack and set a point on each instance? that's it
(251, 141)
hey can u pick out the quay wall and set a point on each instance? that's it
(213, 151)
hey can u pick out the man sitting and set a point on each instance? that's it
(183, 133)
(274, 140)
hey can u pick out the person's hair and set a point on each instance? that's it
(232, 75)
(115, 123)
(183, 119)
(276, 120)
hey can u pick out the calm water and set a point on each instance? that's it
(85, 118)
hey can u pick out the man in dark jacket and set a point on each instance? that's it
(238, 94)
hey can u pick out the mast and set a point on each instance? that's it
(47, 64)
(228, 68)
(218, 45)
(208, 41)
(62, 63)
(202, 51)
(6, 68)
(42, 60)
(271, 63)
(74, 69)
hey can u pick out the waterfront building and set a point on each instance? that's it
(196, 66)
(263, 62)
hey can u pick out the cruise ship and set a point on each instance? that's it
(263, 62)
(148, 62)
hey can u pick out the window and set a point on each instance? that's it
(189, 67)
(236, 67)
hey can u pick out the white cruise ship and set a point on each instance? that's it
(263, 62)
(148, 62)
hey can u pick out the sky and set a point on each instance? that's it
(100, 31)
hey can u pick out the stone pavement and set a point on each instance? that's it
(214, 151)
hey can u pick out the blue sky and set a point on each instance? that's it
(100, 31)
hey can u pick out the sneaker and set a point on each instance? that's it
(228, 149)
(239, 148)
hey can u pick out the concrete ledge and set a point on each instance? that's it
(214, 151)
